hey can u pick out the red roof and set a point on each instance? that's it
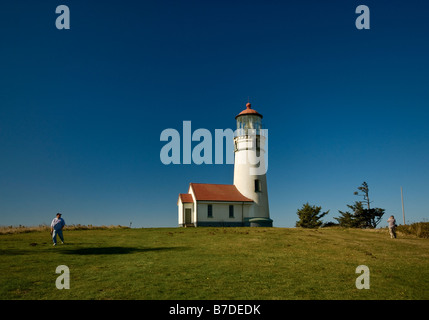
(217, 192)
(249, 111)
(186, 197)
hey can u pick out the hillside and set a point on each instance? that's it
(215, 263)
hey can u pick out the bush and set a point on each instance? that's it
(309, 216)
(418, 229)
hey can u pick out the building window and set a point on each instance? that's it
(209, 211)
(258, 185)
(231, 211)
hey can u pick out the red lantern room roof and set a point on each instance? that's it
(249, 111)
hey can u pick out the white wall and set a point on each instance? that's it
(244, 179)
(221, 211)
(181, 212)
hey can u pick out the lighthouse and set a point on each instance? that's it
(250, 165)
(244, 203)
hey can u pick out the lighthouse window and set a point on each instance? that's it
(257, 185)
(258, 146)
(231, 211)
(209, 211)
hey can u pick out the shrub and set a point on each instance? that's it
(418, 229)
(309, 216)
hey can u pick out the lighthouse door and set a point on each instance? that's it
(188, 216)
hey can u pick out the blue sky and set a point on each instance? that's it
(82, 110)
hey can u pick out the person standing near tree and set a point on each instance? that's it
(392, 226)
(57, 227)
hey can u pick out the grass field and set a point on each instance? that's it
(214, 263)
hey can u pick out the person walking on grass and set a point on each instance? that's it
(57, 227)
(392, 227)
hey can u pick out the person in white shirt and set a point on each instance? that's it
(57, 227)
(392, 226)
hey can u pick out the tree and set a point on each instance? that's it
(309, 216)
(365, 189)
(351, 219)
(360, 217)
(372, 217)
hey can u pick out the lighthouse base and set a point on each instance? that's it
(261, 222)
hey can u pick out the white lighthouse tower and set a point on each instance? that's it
(250, 165)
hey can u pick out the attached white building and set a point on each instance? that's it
(212, 205)
(244, 203)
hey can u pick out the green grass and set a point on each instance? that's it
(214, 263)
